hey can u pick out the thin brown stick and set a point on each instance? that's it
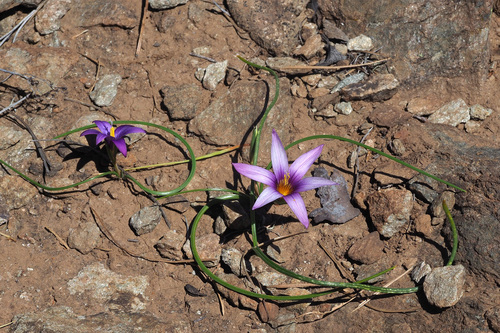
(341, 268)
(336, 68)
(61, 241)
(141, 27)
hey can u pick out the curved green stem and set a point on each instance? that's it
(454, 232)
(56, 189)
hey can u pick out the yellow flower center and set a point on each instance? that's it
(112, 131)
(284, 186)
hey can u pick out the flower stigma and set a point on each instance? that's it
(112, 131)
(284, 187)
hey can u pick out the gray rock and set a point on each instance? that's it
(145, 220)
(182, 101)
(227, 120)
(368, 249)
(336, 206)
(327, 112)
(273, 25)
(360, 43)
(234, 260)
(9, 137)
(166, 4)
(452, 113)
(351, 79)
(420, 271)
(478, 112)
(343, 108)
(377, 88)
(104, 285)
(47, 20)
(214, 74)
(235, 216)
(105, 90)
(170, 245)
(208, 247)
(436, 208)
(433, 38)
(444, 286)
(62, 319)
(16, 191)
(109, 13)
(333, 32)
(271, 278)
(390, 210)
(85, 237)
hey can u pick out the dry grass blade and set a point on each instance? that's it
(337, 68)
(61, 241)
(7, 236)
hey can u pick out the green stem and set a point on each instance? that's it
(455, 234)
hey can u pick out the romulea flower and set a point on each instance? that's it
(106, 131)
(285, 182)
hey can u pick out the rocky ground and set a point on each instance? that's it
(105, 256)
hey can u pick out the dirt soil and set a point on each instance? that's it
(36, 267)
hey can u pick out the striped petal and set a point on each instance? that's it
(121, 131)
(298, 206)
(268, 195)
(256, 173)
(278, 156)
(103, 126)
(310, 183)
(302, 164)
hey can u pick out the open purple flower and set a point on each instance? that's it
(285, 182)
(110, 134)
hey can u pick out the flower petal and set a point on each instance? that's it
(297, 205)
(310, 183)
(91, 131)
(121, 145)
(103, 126)
(268, 195)
(121, 131)
(299, 168)
(256, 173)
(278, 156)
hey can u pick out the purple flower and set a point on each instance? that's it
(285, 182)
(107, 132)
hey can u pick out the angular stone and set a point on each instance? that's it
(166, 4)
(367, 250)
(333, 32)
(478, 112)
(85, 237)
(423, 106)
(233, 258)
(336, 204)
(182, 101)
(105, 90)
(390, 210)
(145, 220)
(47, 20)
(377, 88)
(420, 271)
(360, 43)
(437, 205)
(109, 13)
(343, 108)
(273, 25)
(214, 74)
(387, 116)
(311, 47)
(350, 80)
(452, 113)
(170, 245)
(271, 278)
(444, 286)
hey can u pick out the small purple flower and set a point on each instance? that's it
(285, 182)
(107, 132)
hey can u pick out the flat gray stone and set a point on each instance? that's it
(145, 220)
(85, 237)
(377, 88)
(214, 74)
(166, 4)
(105, 90)
(182, 101)
(48, 19)
(452, 113)
(444, 286)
